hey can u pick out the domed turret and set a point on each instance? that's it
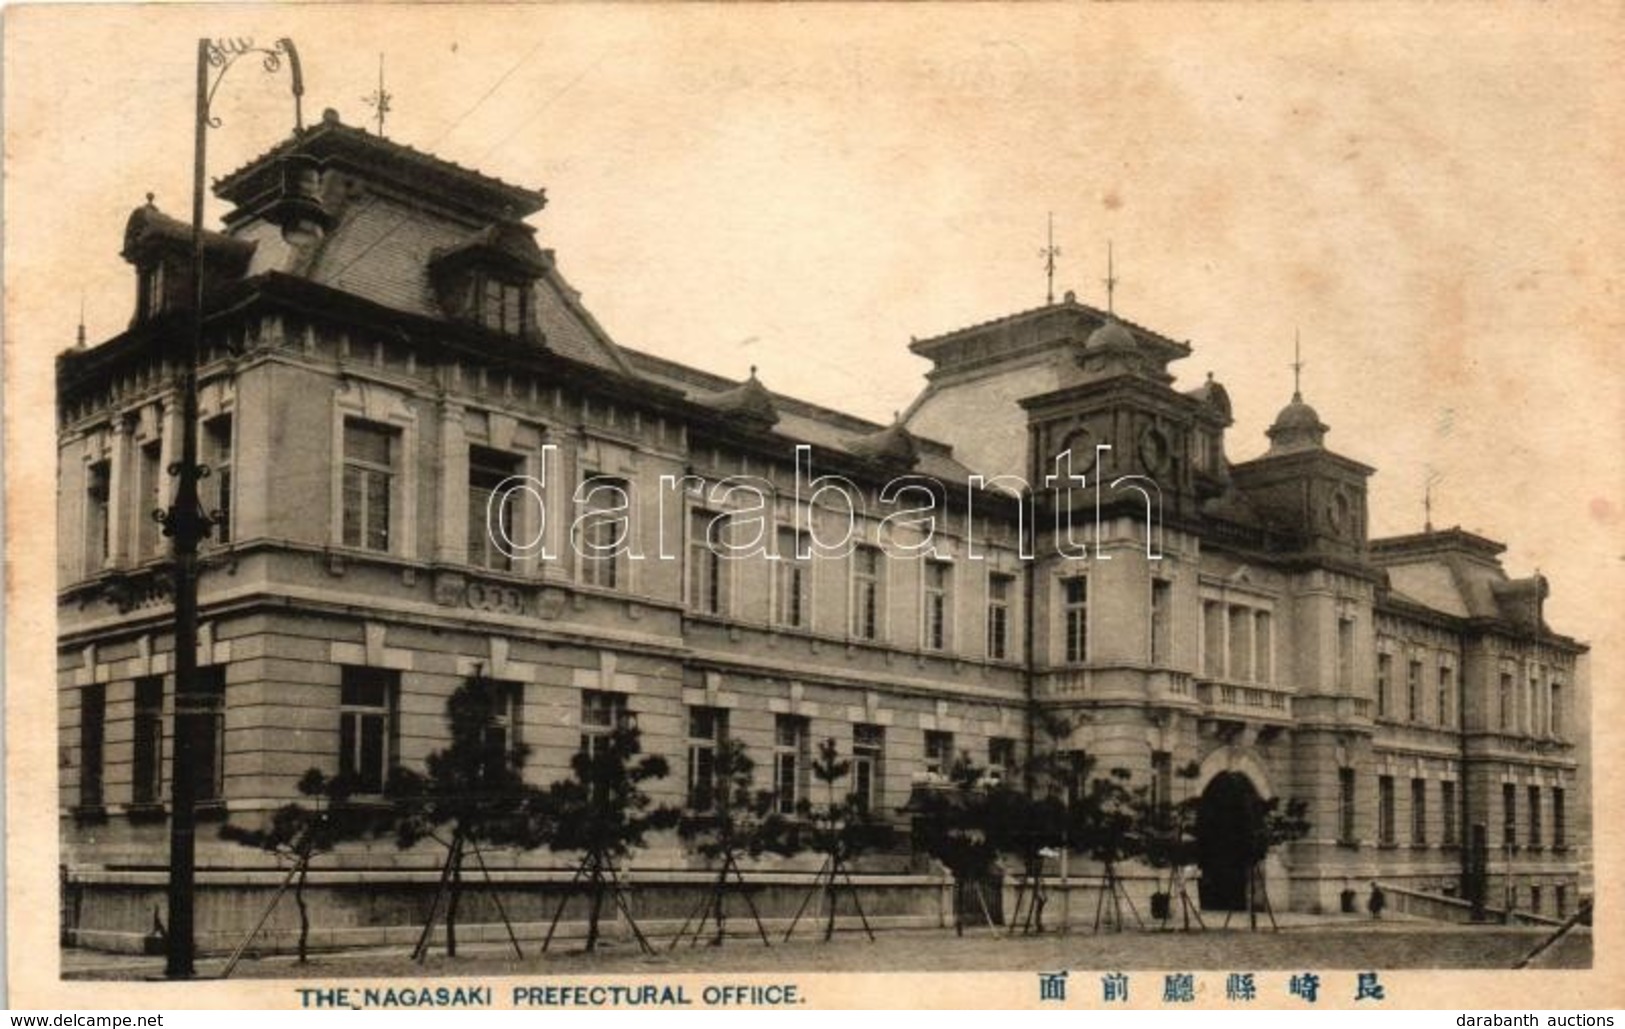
(1112, 335)
(1297, 427)
(1113, 348)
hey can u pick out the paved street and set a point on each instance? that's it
(1301, 943)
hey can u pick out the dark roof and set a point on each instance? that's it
(148, 226)
(1435, 542)
(332, 140)
(749, 401)
(504, 241)
(1070, 303)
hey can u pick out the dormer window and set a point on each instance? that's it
(501, 304)
(160, 249)
(151, 302)
(487, 278)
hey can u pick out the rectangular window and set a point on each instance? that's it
(707, 567)
(1561, 896)
(1262, 646)
(601, 714)
(1505, 720)
(1385, 675)
(1555, 710)
(210, 783)
(1534, 898)
(999, 586)
(152, 290)
(1345, 654)
(149, 498)
(939, 753)
(1419, 812)
(1212, 639)
(217, 454)
(605, 527)
(1345, 805)
(789, 759)
(1241, 644)
(501, 305)
(1446, 687)
(98, 494)
(1385, 810)
(1161, 620)
(1509, 816)
(367, 698)
(868, 762)
(1536, 835)
(492, 534)
(1001, 757)
(147, 757)
(369, 470)
(1447, 807)
(1560, 839)
(791, 604)
(707, 729)
(866, 592)
(936, 583)
(92, 737)
(1413, 691)
(501, 733)
(1075, 598)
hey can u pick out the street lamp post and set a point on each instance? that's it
(187, 524)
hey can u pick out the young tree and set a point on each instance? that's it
(603, 813)
(1036, 822)
(841, 828)
(951, 825)
(732, 820)
(298, 833)
(1106, 826)
(1272, 824)
(471, 793)
(1168, 841)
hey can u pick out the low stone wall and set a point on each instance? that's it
(1440, 908)
(115, 911)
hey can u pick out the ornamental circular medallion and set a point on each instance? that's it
(1340, 512)
(1082, 444)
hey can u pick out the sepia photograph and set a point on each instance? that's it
(965, 505)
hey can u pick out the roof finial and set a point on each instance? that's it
(1110, 280)
(1431, 479)
(80, 338)
(1049, 254)
(151, 196)
(753, 371)
(1297, 368)
(379, 100)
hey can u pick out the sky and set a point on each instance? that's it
(1426, 195)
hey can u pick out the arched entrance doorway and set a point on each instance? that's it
(1226, 826)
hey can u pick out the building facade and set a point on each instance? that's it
(724, 561)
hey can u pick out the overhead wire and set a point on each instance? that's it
(402, 221)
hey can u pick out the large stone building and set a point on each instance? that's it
(365, 392)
